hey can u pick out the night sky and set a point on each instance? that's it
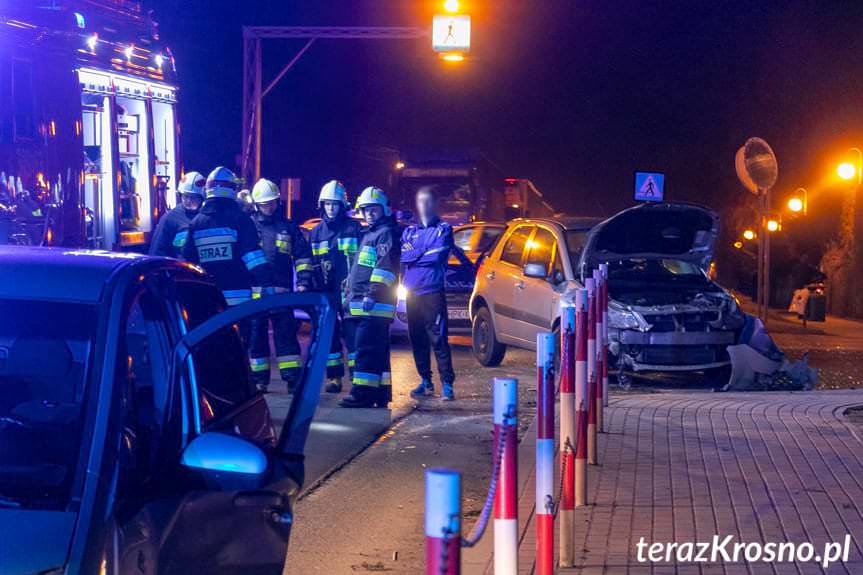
(575, 95)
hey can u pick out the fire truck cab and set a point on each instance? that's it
(89, 151)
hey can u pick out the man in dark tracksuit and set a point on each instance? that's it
(371, 302)
(223, 240)
(170, 233)
(335, 240)
(286, 249)
(424, 254)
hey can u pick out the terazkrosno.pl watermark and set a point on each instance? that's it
(727, 550)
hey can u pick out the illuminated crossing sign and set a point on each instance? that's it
(451, 33)
(649, 186)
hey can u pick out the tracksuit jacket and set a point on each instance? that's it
(424, 254)
(170, 234)
(224, 241)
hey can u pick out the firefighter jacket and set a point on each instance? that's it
(286, 249)
(374, 273)
(424, 254)
(223, 240)
(334, 244)
(170, 234)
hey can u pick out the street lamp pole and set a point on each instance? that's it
(859, 153)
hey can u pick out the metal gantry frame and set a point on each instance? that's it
(254, 91)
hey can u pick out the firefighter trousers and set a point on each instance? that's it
(428, 329)
(342, 332)
(371, 377)
(288, 353)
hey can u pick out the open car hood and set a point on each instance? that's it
(677, 231)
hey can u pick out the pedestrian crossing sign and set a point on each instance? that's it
(649, 186)
(451, 33)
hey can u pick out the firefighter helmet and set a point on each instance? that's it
(221, 183)
(265, 191)
(374, 195)
(333, 191)
(192, 183)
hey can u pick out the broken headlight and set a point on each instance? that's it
(620, 318)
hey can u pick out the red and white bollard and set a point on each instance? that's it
(600, 402)
(567, 436)
(581, 397)
(545, 453)
(590, 284)
(506, 496)
(443, 522)
(604, 269)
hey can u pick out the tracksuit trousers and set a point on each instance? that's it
(428, 329)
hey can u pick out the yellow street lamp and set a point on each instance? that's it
(749, 235)
(738, 244)
(795, 205)
(846, 170)
(773, 225)
(451, 6)
(400, 165)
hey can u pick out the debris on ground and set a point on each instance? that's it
(757, 364)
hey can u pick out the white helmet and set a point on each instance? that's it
(265, 191)
(192, 183)
(374, 195)
(221, 183)
(333, 191)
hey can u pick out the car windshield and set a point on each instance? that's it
(656, 270)
(45, 350)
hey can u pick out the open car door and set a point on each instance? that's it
(237, 516)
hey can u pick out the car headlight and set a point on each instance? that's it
(619, 318)
(402, 292)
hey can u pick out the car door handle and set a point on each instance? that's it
(489, 275)
(519, 285)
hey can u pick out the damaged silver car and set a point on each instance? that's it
(665, 313)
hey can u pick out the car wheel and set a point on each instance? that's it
(487, 350)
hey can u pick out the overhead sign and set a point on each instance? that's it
(451, 33)
(649, 186)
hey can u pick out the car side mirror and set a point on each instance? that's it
(535, 271)
(226, 462)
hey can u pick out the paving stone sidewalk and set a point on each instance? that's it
(675, 467)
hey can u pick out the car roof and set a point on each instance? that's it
(574, 223)
(58, 273)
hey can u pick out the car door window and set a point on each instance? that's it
(462, 238)
(144, 387)
(513, 249)
(541, 249)
(219, 364)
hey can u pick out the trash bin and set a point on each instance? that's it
(816, 304)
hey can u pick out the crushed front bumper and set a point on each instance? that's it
(638, 351)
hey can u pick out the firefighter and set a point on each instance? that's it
(424, 253)
(287, 251)
(370, 302)
(170, 234)
(335, 240)
(223, 240)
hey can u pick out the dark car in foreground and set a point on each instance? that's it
(131, 437)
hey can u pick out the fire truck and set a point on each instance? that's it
(89, 149)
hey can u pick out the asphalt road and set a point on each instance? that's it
(361, 508)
